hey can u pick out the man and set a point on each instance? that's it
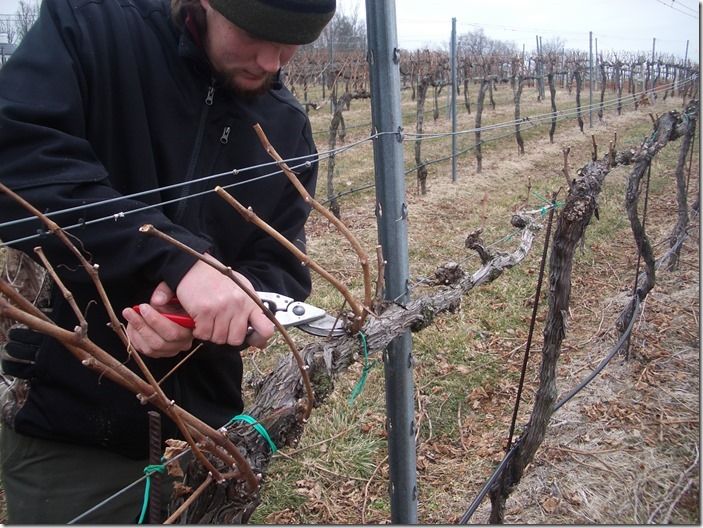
(119, 109)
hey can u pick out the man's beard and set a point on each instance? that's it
(247, 93)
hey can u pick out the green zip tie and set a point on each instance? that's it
(364, 372)
(149, 471)
(257, 426)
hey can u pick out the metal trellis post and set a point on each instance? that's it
(453, 100)
(541, 71)
(685, 58)
(654, 45)
(651, 74)
(537, 67)
(590, 79)
(391, 216)
(330, 52)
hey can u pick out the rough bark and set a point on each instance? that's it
(276, 403)
(571, 224)
(679, 231)
(581, 205)
(337, 129)
(553, 102)
(668, 127)
(422, 87)
(517, 94)
(479, 112)
(579, 82)
(337, 120)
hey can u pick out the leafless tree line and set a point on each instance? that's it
(15, 26)
(209, 492)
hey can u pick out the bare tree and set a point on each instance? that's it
(345, 32)
(555, 46)
(15, 27)
(7, 28)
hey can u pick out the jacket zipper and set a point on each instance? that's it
(224, 138)
(193, 164)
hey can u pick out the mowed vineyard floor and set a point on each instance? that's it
(623, 451)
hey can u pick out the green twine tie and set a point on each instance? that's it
(541, 198)
(257, 426)
(555, 205)
(543, 210)
(364, 371)
(149, 471)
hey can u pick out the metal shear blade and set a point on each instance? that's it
(304, 316)
(288, 311)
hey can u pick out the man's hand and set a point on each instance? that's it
(151, 333)
(221, 310)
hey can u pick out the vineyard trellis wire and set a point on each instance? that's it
(533, 121)
(375, 346)
(571, 226)
(381, 132)
(121, 214)
(336, 151)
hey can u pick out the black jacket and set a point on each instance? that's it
(105, 98)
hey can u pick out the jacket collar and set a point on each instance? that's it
(190, 45)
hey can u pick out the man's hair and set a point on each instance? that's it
(181, 8)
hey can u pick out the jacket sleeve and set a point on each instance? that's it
(48, 160)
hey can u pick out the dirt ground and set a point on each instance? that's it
(625, 449)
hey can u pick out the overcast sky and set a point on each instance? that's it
(619, 25)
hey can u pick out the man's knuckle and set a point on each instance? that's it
(171, 334)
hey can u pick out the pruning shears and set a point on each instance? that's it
(287, 311)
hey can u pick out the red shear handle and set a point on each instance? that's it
(184, 320)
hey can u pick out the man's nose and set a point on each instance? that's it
(268, 57)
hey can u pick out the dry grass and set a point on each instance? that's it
(623, 451)
(635, 428)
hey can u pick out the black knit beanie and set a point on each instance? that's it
(285, 21)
